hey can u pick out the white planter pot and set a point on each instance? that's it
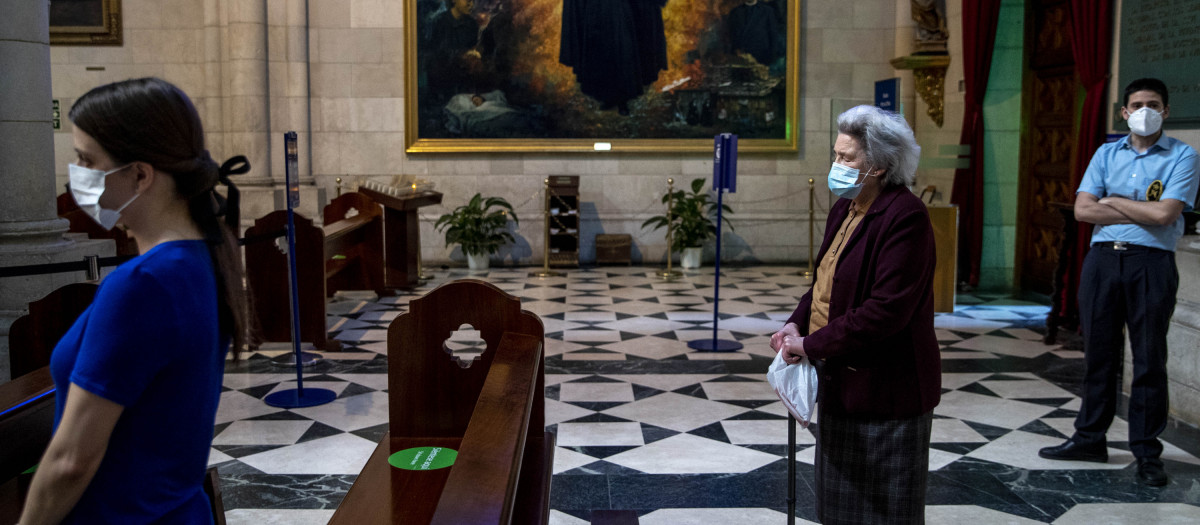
(690, 258)
(477, 262)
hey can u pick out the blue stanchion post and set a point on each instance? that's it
(295, 397)
(724, 178)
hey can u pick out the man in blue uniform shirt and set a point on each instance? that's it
(1135, 191)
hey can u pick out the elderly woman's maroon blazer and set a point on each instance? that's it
(881, 356)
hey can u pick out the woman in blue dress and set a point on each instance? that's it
(139, 373)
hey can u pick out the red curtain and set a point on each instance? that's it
(1091, 40)
(979, 35)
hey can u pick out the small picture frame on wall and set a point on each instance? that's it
(85, 22)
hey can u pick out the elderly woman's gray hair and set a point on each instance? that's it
(886, 140)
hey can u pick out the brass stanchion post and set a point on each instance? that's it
(339, 186)
(670, 274)
(546, 272)
(812, 228)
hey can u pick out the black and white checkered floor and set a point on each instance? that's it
(682, 437)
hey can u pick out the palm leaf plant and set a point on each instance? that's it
(479, 226)
(691, 221)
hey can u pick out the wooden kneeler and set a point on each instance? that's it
(492, 413)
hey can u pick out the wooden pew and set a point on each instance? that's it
(492, 413)
(80, 222)
(347, 254)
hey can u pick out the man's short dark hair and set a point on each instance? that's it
(1146, 84)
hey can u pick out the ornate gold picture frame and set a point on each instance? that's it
(85, 22)
(585, 75)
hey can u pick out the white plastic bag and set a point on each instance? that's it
(796, 385)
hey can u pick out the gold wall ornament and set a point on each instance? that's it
(929, 71)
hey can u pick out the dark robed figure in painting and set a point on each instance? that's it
(616, 47)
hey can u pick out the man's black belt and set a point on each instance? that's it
(1123, 246)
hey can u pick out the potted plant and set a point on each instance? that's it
(480, 227)
(689, 221)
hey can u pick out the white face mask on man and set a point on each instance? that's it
(1145, 121)
(87, 185)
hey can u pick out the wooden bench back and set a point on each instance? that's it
(32, 337)
(267, 275)
(354, 234)
(429, 393)
(80, 222)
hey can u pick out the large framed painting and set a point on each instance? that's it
(85, 22)
(579, 75)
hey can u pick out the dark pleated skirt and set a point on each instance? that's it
(872, 470)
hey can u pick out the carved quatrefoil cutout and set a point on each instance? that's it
(464, 345)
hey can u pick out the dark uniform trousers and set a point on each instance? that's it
(1134, 287)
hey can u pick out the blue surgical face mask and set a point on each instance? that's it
(843, 181)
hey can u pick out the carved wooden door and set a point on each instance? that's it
(1051, 94)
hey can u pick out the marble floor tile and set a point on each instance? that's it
(279, 516)
(591, 392)
(955, 381)
(236, 405)
(649, 347)
(954, 431)
(340, 454)
(240, 381)
(592, 356)
(372, 381)
(688, 454)
(1020, 449)
(675, 411)
(620, 323)
(643, 325)
(677, 300)
(637, 307)
(350, 413)
(1026, 389)
(600, 435)
(1004, 346)
(749, 325)
(566, 459)
(966, 324)
(993, 314)
(763, 432)
(1133, 513)
(262, 433)
(558, 346)
(718, 356)
(993, 411)
(1023, 333)
(960, 514)
(554, 379)
(216, 457)
(580, 335)
(590, 316)
(665, 382)
(557, 412)
(725, 391)
(941, 458)
(712, 516)
(544, 308)
(589, 300)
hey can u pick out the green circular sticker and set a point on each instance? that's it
(423, 458)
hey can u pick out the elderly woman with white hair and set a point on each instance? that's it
(867, 323)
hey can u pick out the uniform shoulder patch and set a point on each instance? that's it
(1154, 192)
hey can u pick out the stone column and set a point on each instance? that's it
(30, 231)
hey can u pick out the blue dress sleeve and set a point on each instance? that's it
(129, 338)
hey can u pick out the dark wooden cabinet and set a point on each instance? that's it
(562, 209)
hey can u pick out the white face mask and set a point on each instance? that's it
(87, 185)
(1145, 122)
